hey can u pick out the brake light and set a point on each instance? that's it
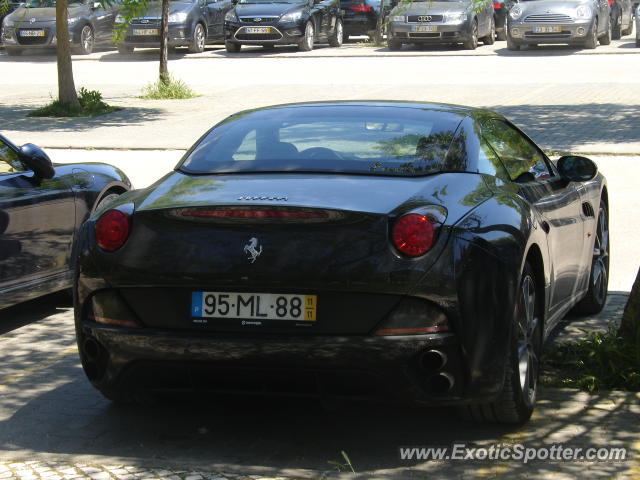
(413, 234)
(611, 3)
(361, 8)
(497, 5)
(112, 230)
(253, 213)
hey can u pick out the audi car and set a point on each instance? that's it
(583, 23)
(192, 24)
(33, 26)
(441, 22)
(415, 252)
(42, 206)
(293, 22)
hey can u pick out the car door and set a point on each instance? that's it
(103, 17)
(556, 203)
(320, 14)
(216, 10)
(37, 222)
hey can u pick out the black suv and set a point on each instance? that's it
(192, 24)
(293, 22)
(33, 25)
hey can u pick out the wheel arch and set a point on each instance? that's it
(535, 260)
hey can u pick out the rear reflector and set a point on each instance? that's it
(413, 234)
(361, 8)
(253, 213)
(112, 230)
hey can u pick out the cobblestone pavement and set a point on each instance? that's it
(53, 424)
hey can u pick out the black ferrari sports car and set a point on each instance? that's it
(393, 250)
(41, 209)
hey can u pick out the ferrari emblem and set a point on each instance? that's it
(251, 248)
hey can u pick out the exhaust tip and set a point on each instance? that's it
(440, 383)
(432, 360)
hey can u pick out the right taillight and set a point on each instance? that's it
(413, 234)
(112, 230)
(361, 8)
(497, 5)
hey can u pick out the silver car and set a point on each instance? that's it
(573, 22)
(441, 22)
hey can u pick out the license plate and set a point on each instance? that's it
(257, 29)
(254, 306)
(141, 32)
(32, 33)
(547, 29)
(424, 28)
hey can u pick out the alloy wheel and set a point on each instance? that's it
(86, 39)
(600, 277)
(200, 37)
(528, 342)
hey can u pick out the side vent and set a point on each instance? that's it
(587, 209)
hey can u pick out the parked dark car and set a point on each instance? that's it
(573, 22)
(33, 25)
(41, 209)
(621, 18)
(370, 249)
(361, 16)
(294, 22)
(441, 22)
(192, 24)
(6, 9)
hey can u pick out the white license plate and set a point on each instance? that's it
(424, 28)
(32, 33)
(257, 29)
(254, 306)
(547, 29)
(141, 32)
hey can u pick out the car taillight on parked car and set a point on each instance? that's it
(112, 230)
(611, 3)
(413, 234)
(361, 8)
(497, 5)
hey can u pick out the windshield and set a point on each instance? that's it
(49, 3)
(346, 139)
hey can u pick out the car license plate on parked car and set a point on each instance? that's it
(145, 31)
(547, 29)
(424, 28)
(257, 29)
(254, 306)
(32, 33)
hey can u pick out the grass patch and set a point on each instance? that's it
(173, 89)
(91, 105)
(602, 361)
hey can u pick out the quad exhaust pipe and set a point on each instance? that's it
(433, 360)
(441, 383)
(431, 363)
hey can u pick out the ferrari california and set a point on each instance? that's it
(397, 250)
(42, 206)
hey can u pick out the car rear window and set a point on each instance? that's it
(405, 141)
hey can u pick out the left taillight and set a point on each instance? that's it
(112, 230)
(413, 234)
(497, 5)
(361, 8)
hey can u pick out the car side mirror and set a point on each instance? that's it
(38, 161)
(577, 169)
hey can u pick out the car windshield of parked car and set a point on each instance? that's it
(48, 3)
(345, 139)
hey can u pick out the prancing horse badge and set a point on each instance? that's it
(252, 249)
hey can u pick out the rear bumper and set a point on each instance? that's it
(392, 368)
(445, 34)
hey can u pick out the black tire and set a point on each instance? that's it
(125, 49)
(13, 52)
(394, 45)
(86, 41)
(306, 45)
(337, 38)
(511, 45)
(616, 29)
(596, 297)
(592, 40)
(516, 402)
(491, 38)
(471, 43)
(606, 38)
(198, 39)
(232, 47)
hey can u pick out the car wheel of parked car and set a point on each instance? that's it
(306, 45)
(491, 38)
(596, 296)
(335, 40)
(125, 49)
(616, 31)
(197, 39)
(606, 38)
(515, 403)
(232, 47)
(472, 42)
(87, 40)
(394, 45)
(592, 40)
(13, 52)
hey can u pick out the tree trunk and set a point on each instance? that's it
(630, 326)
(377, 38)
(164, 40)
(66, 87)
